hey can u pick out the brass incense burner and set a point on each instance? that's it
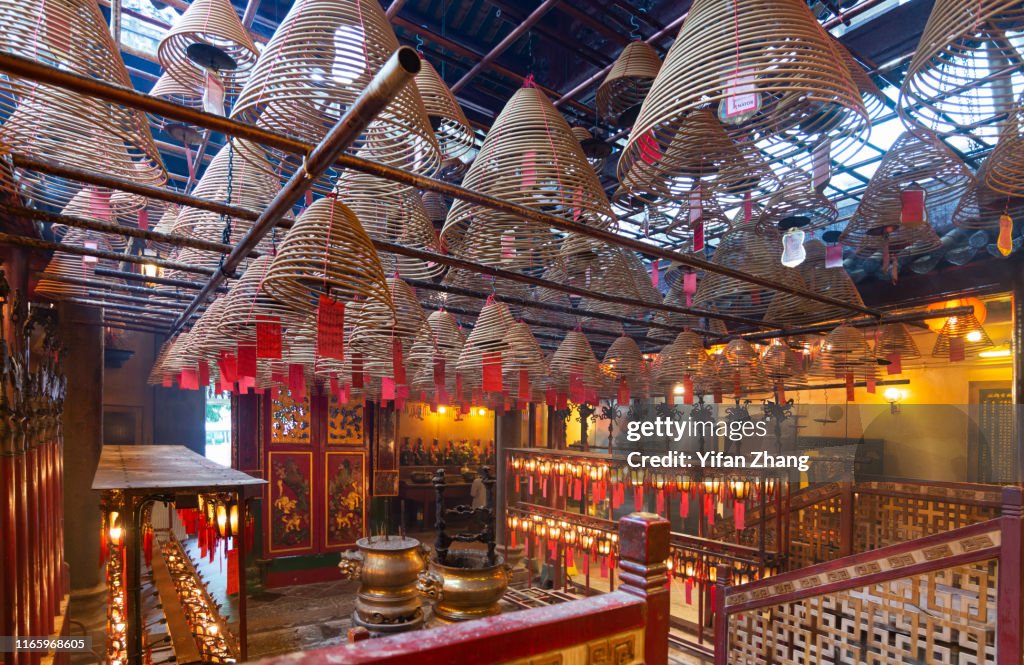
(465, 583)
(387, 568)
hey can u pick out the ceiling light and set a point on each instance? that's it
(995, 353)
(974, 336)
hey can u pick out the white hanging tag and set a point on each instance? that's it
(741, 97)
(213, 94)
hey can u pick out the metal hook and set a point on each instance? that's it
(419, 44)
(634, 34)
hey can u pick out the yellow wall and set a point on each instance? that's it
(444, 426)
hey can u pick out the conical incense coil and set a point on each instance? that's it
(682, 358)
(57, 125)
(529, 157)
(326, 252)
(208, 342)
(742, 366)
(583, 135)
(965, 68)
(981, 207)
(523, 354)
(844, 351)
(768, 67)
(451, 127)
(754, 249)
(397, 217)
(624, 360)
(248, 303)
(486, 338)
(628, 82)
(700, 208)
(376, 327)
(440, 340)
(831, 282)
(780, 363)
(968, 332)
(211, 31)
(321, 58)
(1004, 168)
(574, 357)
(875, 101)
(799, 198)
(92, 204)
(894, 339)
(75, 265)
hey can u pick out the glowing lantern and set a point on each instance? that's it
(936, 324)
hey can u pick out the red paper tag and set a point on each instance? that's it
(871, 386)
(268, 337)
(439, 378)
(687, 390)
(397, 363)
(834, 256)
(228, 365)
(912, 212)
(739, 510)
(576, 389)
(99, 205)
(698, 235)
(561, 401)
(638, 498)
(849, 387)
(689, 286)
(524, 384)
(297, 381)
(247, 362)
(529, 169)
(334, 386)
(492, 372)
(143, 219)
(659, 502)
(655, 278)
(684, 505)
(330, 328)
(650, 152)
(387, 389)
(550, 397)
(821, 160)
(168, 381)
(895, 363)
(357, 370)
(623, 397)
(957, 349)
(189, 380)
(780, 392)
(204, 373)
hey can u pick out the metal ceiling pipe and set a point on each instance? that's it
(118, 306)
(112, 286)
(11, 239)
(910, 317)
(30, 69)
(150, 302)
(117, 229)
(102, 180)
(396, 73)
(249, 15)
(165, 281)
(503, 45)
(394, 8)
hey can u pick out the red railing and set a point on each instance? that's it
(950, 597)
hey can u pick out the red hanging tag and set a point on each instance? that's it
(204, 373)
(650, 152)
(524, 384)
(334, 386)
(357, 370)
(716, 395)
(739, 511)
(99, 205)
(659, 502)
(143, 219)
(849, 387)
(638, 498)
(576, 388)
(439, 378)
(330, 328)
(957, 349)
(895, 363)
(688, 588)
(655, 277)
(737, 386)
(492, 372)
(834, 256)
(345, 394)
(550, 397)
(623, 397)
(561, 401)
(297, 381)
(189, 380)
(213, 93)
(232, 574)
(397, 363)
(168, 381)
(687, 390)
(698, 235)
(387, 389)
(912, 212)
(247, 367)
(268, 337)
(577, 204)
(871, 384)
(748, 207)
(696, 205)
(780, 392)
(604, 567)
(228, 365)
(684, 505)
(689, 286)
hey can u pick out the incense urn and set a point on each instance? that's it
(386, 568)
(465, 587)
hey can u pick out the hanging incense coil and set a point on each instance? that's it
(208, 36)
(981, 207)
(742, 367)
(1004, 168)
(543, 294)
(675, 297)
(440, 339)
(165, 224)
(831, 282)
(376, 326)
(436, 206)
(965, 327)
(177, 357)
(321, 58)
(248, 302)
(683, 358)
(700, 151)
(156, 372)
(57, 125)
(921, 161)
(451, 127)
(574, 357)
(207, 339)
(754, 249)
(798, 198)
(875, 101)
(531, 158)
(699, 205)
(842, 352)
(624, 360)
(391, 216)
(627, 83)
(75, 265)
(325, 252)
(523, 354)
(965, 68)
(781, 363)
(709, 378)
(768, 67)
(583, 135)
(486, 338)
(894, 339)
(96, 205)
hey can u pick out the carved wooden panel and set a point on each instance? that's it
(345, 509)
(344, 422)
(289, 518)
(814, 533)
(619, 649)
(887, 519)
(290, 419)
(946, 617)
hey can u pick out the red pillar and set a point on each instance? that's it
(8, 573)
(32, 517)
(25, 604)
(723, 576)
(1010, 634)
(643, 572)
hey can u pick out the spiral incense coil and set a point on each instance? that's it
(768, 68)
(531, 158)
(742, 365)
(709, 378)
(582, 135)
(496, 286)
(682, 358)
(624, 360)
(699, 204)
(965, 68)
(165, 224)
(487, 337)
(1004, 168)
(875, 101)
(627, 83)
(248, 302)
(178, 356)
(965, 327)
(211, 29)
(920, 160)
(169, 88)
(207, 340)
(436, 206)
(397, 217)
(321, 58)
(440, 339)
(700, 151)
(93, 204)
(895, 339)
(754, 249)
(799, 198)
(831, 282)
(376, 326)
(675, 297)
(451, 127)
(844, 351)
(980, 207)
(543, 294)
(780, 363)
(523, 353)
(75, 265)
(575, 357)
(325, 252)
(57, 125)
(156, 372)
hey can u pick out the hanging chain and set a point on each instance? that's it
(226, 235)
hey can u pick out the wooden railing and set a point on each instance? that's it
(940, 599)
